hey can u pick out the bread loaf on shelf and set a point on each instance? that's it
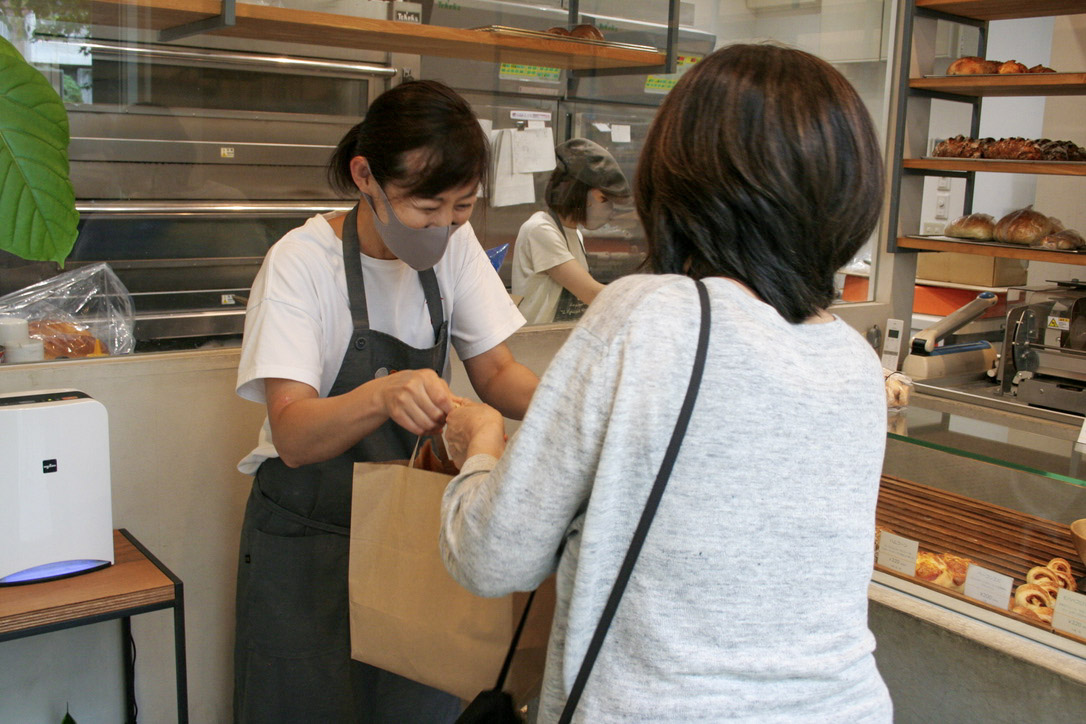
(1025, 226)
(971, 226)
(1009, 149)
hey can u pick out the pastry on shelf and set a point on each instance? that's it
(971, 226)
(974, 65)
(586, 32)
(1009, 149)
(557, 30)
(942, 569)
(1012, 66)
(1035, 598)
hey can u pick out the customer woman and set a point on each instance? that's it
(550, 265)
(346, 343)
(760, 176)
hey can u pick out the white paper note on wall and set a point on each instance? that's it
(620, 133)
(506, 187)
(533, 150)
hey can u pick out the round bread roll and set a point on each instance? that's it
(586, 32)
(971, 226)
(557, 30)
(1012, 66)
(65, 339)
(1024, 226)
(972, 65)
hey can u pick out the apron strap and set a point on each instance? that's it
(276, 509)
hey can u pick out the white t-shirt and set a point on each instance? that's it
(541, 246)
(298, 321)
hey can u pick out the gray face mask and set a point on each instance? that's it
(418, 248)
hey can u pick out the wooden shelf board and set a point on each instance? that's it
(1056, 168)
(1004, 9)
(1018, 84)
(132, 581)
(288, 25)
(981, 248)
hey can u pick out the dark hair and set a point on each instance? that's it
(567, 196)
(418, 114)
(762, 165)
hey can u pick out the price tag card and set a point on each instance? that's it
(620, 133)
(1069, 613)
(897, 553)
(988, 586)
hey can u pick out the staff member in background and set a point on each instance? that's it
(346, 342)
(550, 266)
(761, 176)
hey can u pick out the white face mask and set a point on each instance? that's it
(598, 213)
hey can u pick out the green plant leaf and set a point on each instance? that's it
(38, 220)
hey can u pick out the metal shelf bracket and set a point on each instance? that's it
(225, 19)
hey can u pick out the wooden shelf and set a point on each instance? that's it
(982, 248)
(1019, 84)
(1004, 9)
(259, 22)
(1056, 168)
(133, 581)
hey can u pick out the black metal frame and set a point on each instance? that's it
(125, 615)
(904, 91)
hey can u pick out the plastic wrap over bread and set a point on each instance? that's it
(82, 312)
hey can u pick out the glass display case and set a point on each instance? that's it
(974, 513)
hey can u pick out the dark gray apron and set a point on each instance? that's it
(569, 308)
(292, 654)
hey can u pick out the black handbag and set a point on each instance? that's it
(495, 706)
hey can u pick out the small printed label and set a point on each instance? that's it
(542, 74)
(1069, 613)
(49, 466)
(408, 16)
(227, 299)
(530, 115)
(226, 151)
(988, 586)
(1063, 323)
(897, 554)
(661, 84)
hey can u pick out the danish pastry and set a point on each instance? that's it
(1030, 594)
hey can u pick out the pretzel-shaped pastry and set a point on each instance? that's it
(1030, 595)
(1060, 565)
(1043, 574)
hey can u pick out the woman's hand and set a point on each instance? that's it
(417, 400)
(473, 428)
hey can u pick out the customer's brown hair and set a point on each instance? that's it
(762, 165)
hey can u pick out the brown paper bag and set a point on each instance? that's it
(409, 616)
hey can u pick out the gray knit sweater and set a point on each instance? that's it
(749, 600)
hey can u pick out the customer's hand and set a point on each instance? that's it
(473, 428)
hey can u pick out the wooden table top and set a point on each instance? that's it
(133, 581)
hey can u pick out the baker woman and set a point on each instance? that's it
(550, 266)
(346, 343)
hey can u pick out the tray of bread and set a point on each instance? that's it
(585, 34)
(1021, 227)
(954, 531)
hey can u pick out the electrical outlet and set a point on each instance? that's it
(933, 228)
(941, 203)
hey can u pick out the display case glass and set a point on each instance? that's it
(987, 496)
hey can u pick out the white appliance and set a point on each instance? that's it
(56, 515)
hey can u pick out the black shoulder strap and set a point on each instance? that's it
(647, 515)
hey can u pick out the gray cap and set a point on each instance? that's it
(591, 164)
